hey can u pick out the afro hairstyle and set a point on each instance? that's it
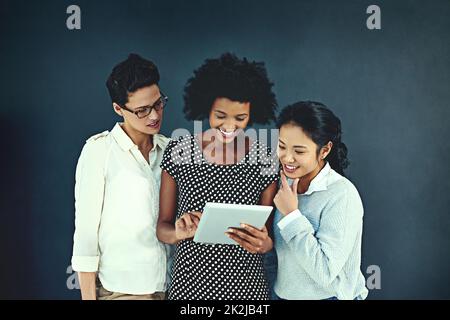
(233, 78)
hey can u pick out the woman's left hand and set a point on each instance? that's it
(251, 239)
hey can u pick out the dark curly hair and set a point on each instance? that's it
(129, 76)
(232, 78)
(321, 125)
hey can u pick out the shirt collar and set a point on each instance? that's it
(320, 182)
(159, 141)
(125, 142)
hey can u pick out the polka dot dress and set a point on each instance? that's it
(204, 271)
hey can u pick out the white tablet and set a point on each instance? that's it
(218, 217)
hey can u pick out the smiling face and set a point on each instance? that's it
(229, 118)
(298, 152)
(137, 101)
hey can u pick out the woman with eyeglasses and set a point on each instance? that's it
(219, 165)
(116, 252)
(319, 218)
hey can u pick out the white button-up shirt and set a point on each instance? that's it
(116, 212)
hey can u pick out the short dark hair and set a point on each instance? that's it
(233, 78)
(129, 76)
(321, 125)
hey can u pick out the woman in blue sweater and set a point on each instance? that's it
(319, 217)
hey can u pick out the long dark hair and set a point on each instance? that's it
(321, 125)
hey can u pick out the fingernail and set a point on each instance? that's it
(243, 225)
(230, 230)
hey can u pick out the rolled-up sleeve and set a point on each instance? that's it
(89, 195)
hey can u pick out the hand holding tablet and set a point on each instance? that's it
(217, 218)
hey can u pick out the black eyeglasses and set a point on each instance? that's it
(142, 112)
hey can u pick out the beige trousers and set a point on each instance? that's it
(103, 294)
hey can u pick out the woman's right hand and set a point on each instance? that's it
(186, 225)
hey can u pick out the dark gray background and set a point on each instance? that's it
(389, 87)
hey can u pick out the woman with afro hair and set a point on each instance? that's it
(221, 165)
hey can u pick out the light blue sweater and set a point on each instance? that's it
(319, 246)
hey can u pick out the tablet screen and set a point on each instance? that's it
(218, 217)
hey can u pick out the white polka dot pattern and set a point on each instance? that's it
(202, 271)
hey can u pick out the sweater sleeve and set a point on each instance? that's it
(323, 254)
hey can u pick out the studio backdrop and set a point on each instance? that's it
(382, 66)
